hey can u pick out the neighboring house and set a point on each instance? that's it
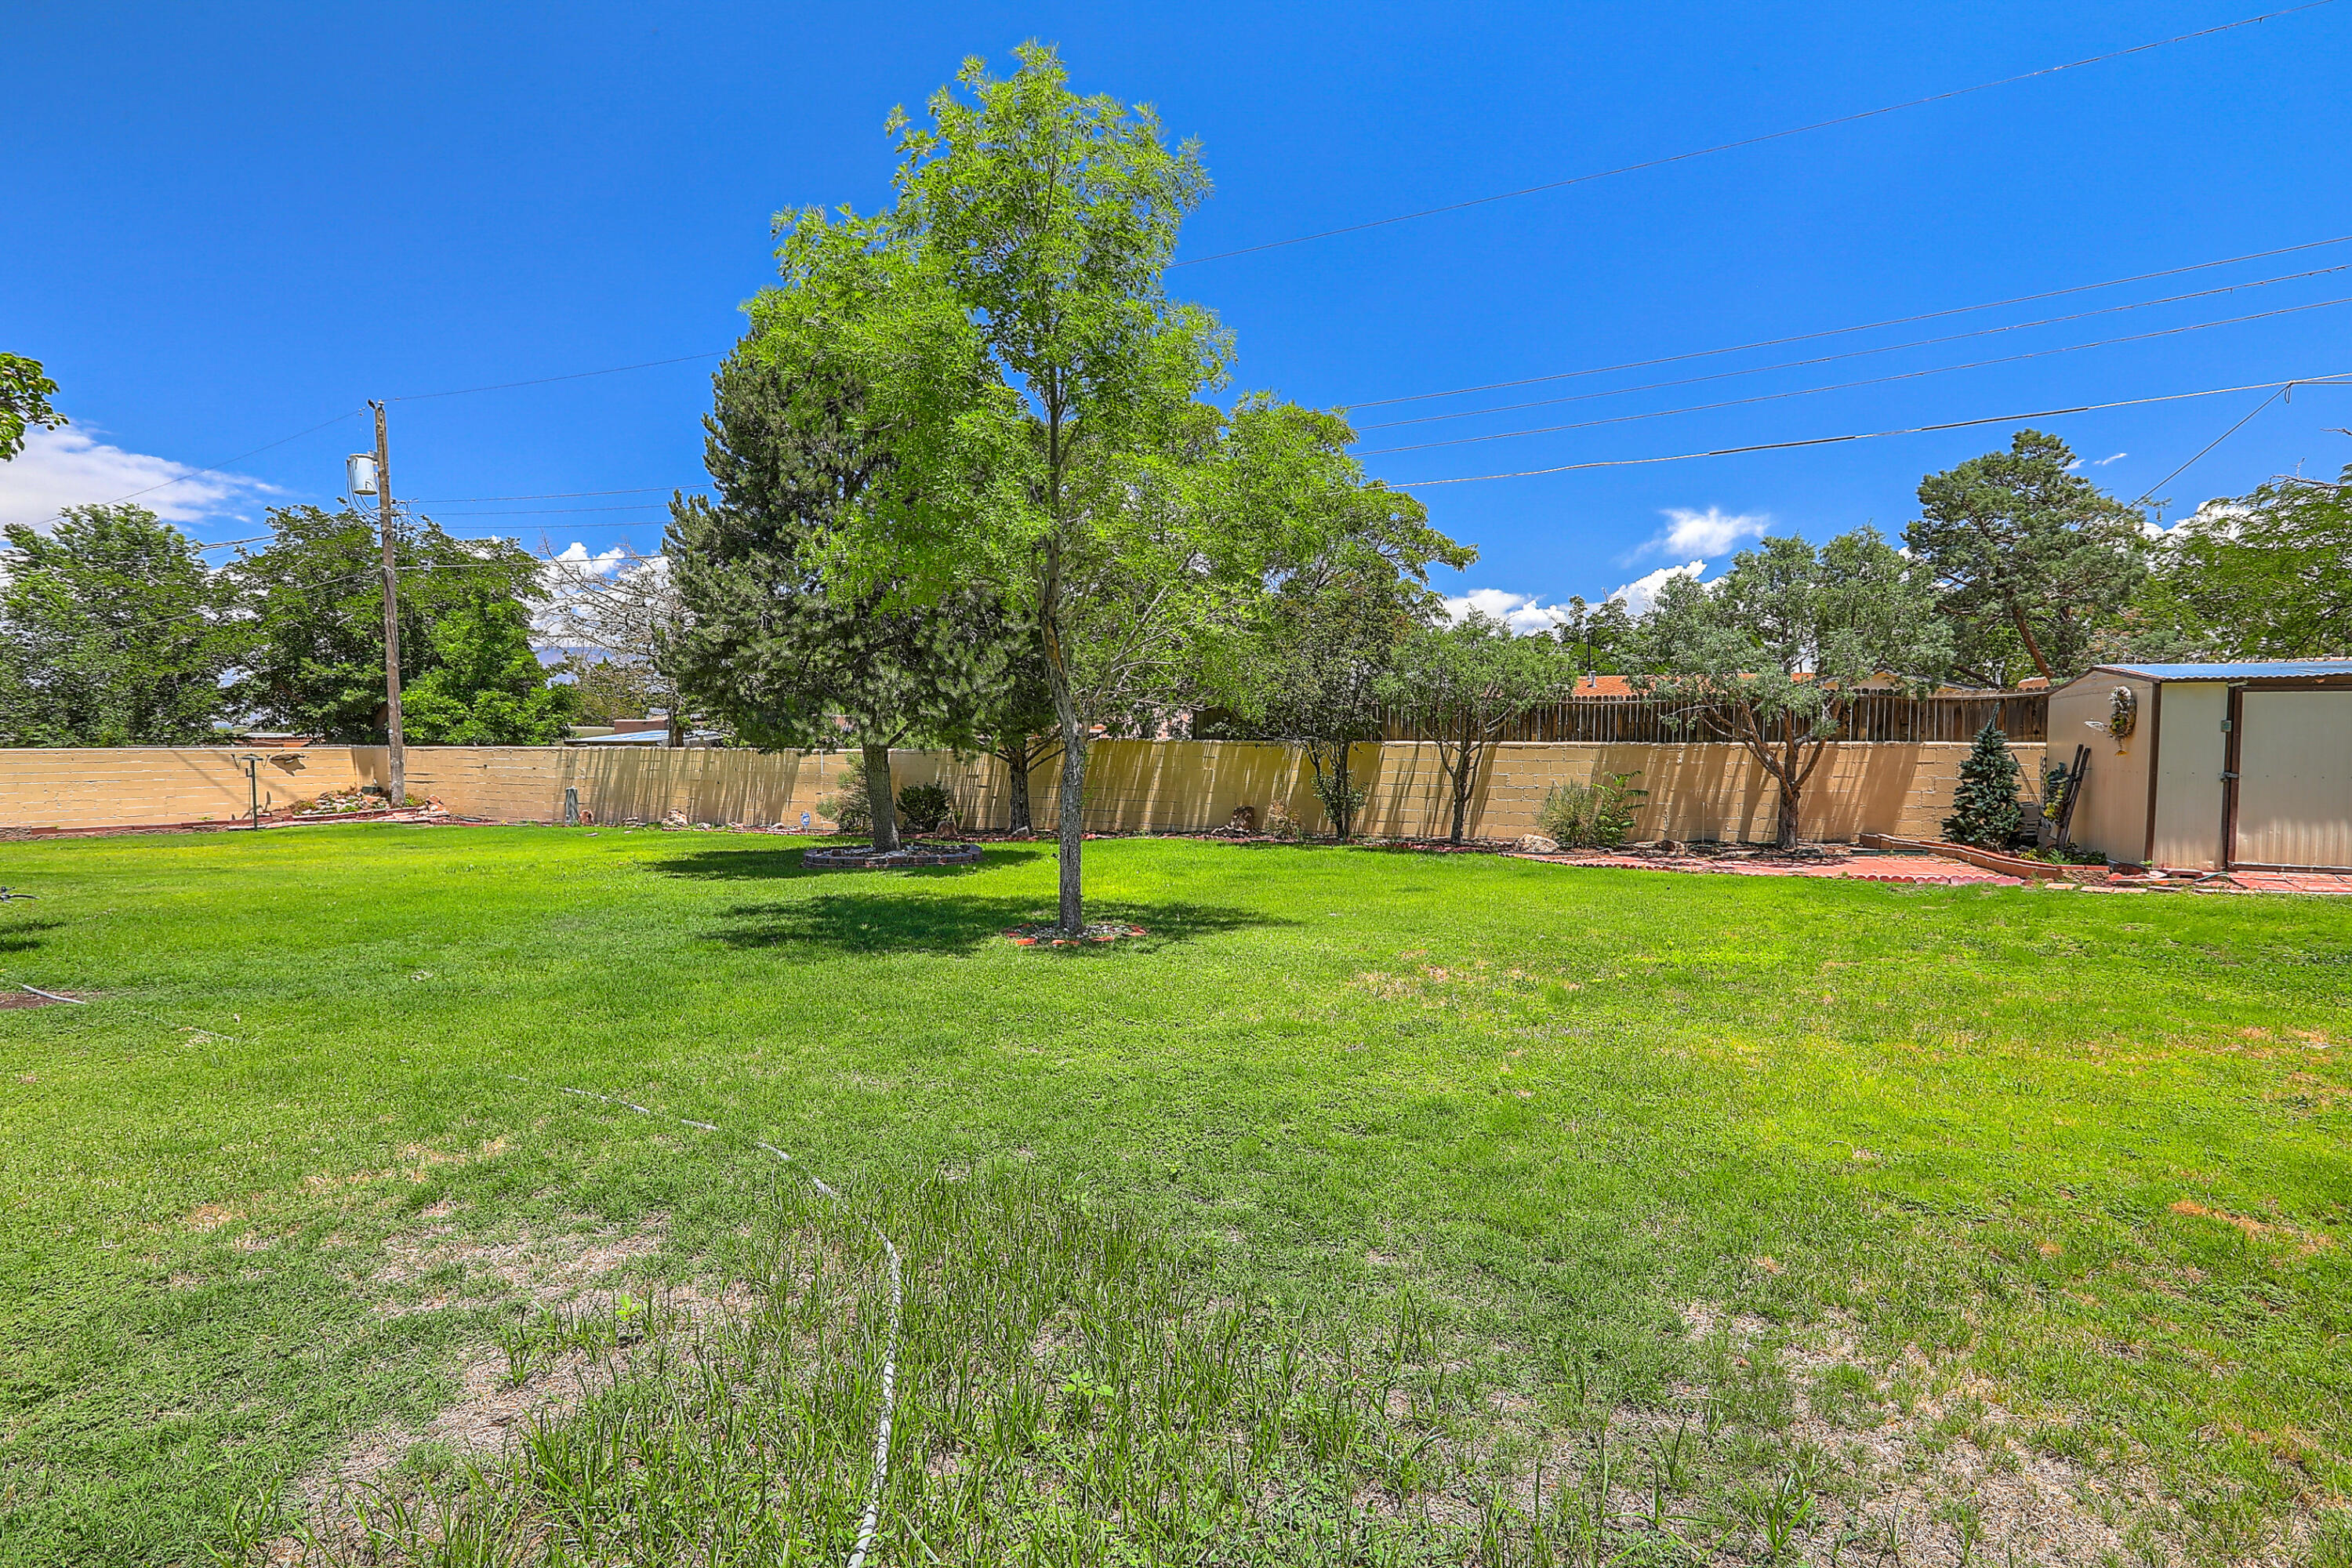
(2212, 766)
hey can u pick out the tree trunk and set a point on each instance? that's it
(1790, 808)
(1463, 776)
(1073, 813)
(1016, 760)
(2025, 633)
(879, 799)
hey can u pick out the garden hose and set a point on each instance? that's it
(871, 1522)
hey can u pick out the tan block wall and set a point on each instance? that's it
(144, 785)
(1699, 791)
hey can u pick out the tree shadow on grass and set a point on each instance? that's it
(768, 865)
(960, 923)
(21, 936)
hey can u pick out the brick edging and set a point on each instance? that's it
(1988, 859)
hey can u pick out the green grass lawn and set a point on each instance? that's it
(1829, 1219)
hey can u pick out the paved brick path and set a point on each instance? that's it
(1930, 870)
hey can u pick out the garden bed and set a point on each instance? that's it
(863, 857)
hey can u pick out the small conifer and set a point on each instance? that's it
(1984, 807)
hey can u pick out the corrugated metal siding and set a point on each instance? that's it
(2294, 770)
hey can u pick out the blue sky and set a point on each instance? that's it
(224, 224)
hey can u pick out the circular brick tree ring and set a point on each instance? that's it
(862, 857)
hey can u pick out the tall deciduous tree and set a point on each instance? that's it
(486, 686)
(1012, 326)
(627, 614)
(2268, 575)
(24, 395)
(113, 632)
(315, 660)
(2028, 557)
(768, 641)
(1464, 684)
(1771, 654)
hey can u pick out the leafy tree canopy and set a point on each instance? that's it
(113, 632)
(2030, 559)
(1771, 654)
(1464, 683)
(315, 659)
(2266, 576)
(1007, 326)
(24, 395)
(791, 656)
(484, 686)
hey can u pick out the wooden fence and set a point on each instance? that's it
(1870, 716)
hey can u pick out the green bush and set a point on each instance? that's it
(925, 807)
(1596, 816)
(851, 811)
(1985, 807)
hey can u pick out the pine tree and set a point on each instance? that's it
(1984, 807)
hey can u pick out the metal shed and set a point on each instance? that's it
(2212, 766)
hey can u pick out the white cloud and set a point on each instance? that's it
(2118, 457)
(1642, 591)
(70, 466)
(1520, 612)
(1706, 533)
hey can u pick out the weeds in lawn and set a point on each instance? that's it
(1071, 1392)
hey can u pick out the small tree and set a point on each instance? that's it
(1324, 664)
(1464, 684)
(1017, 723)
(1772, 653)
(1984, 806)
(1009, 319)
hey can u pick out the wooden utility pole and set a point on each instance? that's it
(397, 761)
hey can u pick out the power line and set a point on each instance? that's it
(616, 369)
(1849, 385)
(1841, 331)
(2216, 441)
(1748, 141)
(551, 495)
(2337, 379)
(1859, 353)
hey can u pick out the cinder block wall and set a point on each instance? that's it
(1699, 791)
(149, 786)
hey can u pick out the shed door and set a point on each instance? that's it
(2294, 779)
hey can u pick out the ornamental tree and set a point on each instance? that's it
(1463, 685)
(1322, 666)
(1984, 806)
(1009, 323)
(1772, 653)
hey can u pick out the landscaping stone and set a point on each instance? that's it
(862, 857)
